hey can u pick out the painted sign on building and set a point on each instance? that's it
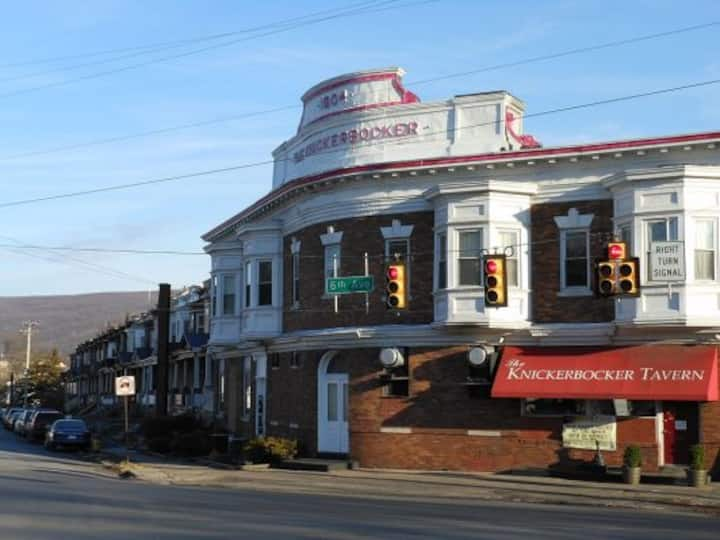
(667, 261)
(587, 434)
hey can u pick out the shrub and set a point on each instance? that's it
(161, 445)
(270, 449)
(697, 457)
(193, 444)
(632, 457)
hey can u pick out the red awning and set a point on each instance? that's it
(661, 372)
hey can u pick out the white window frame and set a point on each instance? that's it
(441, 258)
(271, 282)
(646, 222)
(512, 254)
(224, 279)
(397, 232)
(248, 285)
(574, 290)
(295, 273)
(458, 231)
(714, 243)
(332, 252)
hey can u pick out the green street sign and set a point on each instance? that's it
(349, 284)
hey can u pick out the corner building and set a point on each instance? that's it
(373, 175)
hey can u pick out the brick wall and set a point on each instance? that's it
(360, 235)
(547, 306)
(439, 412)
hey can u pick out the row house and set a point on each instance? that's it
(131, 349)
(374, 175)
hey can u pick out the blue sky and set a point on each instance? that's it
(428, 40)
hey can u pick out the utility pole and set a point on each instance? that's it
(28, 331)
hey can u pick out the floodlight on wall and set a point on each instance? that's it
(391, 357)
(477, 356)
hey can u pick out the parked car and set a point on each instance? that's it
(71, 432)
(22, 421)
(38, 425)
(7, 417)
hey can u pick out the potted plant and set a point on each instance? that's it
(697, 473)
(632, 463)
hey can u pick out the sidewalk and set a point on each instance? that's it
(432, 487)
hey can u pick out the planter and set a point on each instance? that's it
(697, 477)
(631, 475)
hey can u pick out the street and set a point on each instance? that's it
(55, 495)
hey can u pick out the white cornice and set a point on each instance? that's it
(663, 173)
(480, 186)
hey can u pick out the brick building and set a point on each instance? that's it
(374, 175)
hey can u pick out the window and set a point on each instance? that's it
(221, 382)
(624, 233)
(275, 361)
(247, 387)
(296, 278)
(553, 407)
(229, 295)
(575, 261)
(442, 261)
(660, 230)
(399, 248)
(295, 360)
(248, 284)
(510, 246)
(265, 283)
(705, 249)
(214, 287)
(332, 258)
(470, 257)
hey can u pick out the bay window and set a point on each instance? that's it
(229, 295)
(264, 283)
(442, 261)
(705, 250)
(510, 245)
(470, 257)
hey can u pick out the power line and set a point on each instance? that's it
(570, 52)
(131, 52)
(103, 250)
(168, 58)
(17, 248)
(231, 118)
(119, 187)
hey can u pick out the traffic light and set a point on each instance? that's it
(395, 286)
(494, 270)
(629, 277)
(606, 273)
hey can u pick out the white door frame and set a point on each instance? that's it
(322, 380)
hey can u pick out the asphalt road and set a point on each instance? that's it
(56, 496)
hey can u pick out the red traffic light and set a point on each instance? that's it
(491, 267)
(616, 250)
(392, 272)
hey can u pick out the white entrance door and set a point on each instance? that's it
(333, 431)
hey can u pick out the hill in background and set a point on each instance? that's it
(64, 321)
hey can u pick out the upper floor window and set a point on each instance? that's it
(332, 260)
(624, 234)
(660, 230)
(574, 252)
(442, 261)
(229, 295)
(397, 246)
(295, 254)
(331, 241)
(510, 243)
(470, 257)
(214, 288)
(575, 259)
(248, 284)
(264, 283)
(705, 249)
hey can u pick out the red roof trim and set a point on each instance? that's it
(488, 157)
